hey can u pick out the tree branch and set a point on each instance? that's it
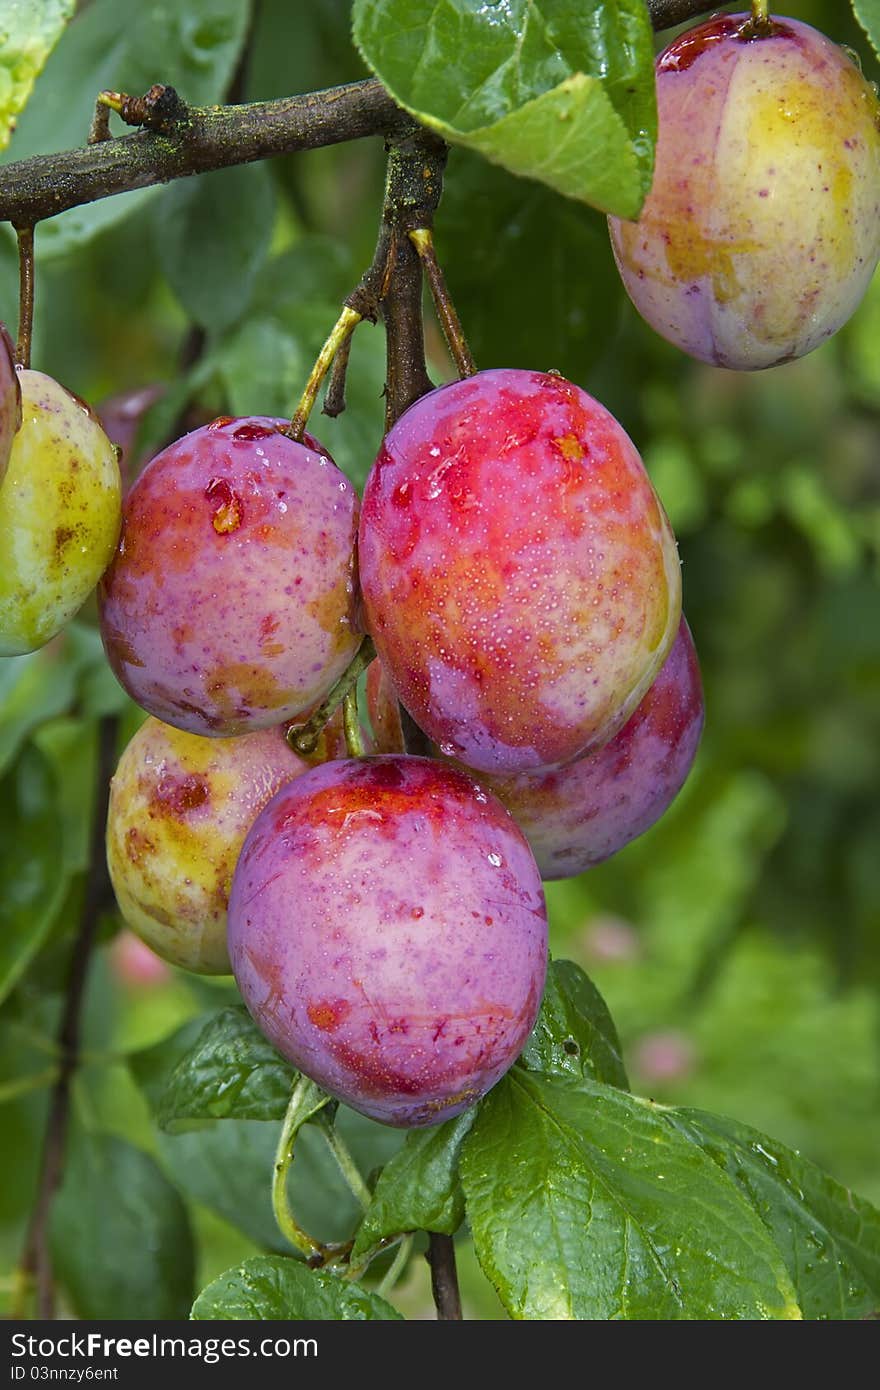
(200, 139)
(36, 1262)
(208, 138)
(444, 1277)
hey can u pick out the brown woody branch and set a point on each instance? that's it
(195, 140)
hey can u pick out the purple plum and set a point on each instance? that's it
(578, 815)
(388, 933)
(230, 604)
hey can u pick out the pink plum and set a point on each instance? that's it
(519, 576)
(230, 604)
(762, 227)
(388, 932)
(580, 814)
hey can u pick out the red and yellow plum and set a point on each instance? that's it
(230, 604)
(180, 807)
(520, 578)
(388, 933)
(762, 227)
(10, 399)
(578, 815)
(59, 514)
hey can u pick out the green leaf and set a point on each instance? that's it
(828, 1237)
(227, 1164)
(584, 1203)
(575, 1034)
(32, 882)
(213, 276)
(29, 30)
(125, 48)
(299, 48)
(230, 1071)
(559, 91)
(117, 1194)
(493, 231)
(419, 1189)
(284, 1290)
(71, 748)
(867, 12)
(33, 688)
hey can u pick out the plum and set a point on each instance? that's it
(230, 604)
(10, 399)
(388, 933)
(580, 814)
(180, 807)
(59, 514)
(384, 711)
(762, 227)
(520, 578)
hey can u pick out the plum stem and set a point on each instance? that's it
(347, 1166)
(303, 738)
(760, 26)
(306, 1099)
(396, 1267)
(422, 239)
(351, 724)
(25, 295)
(340, 333)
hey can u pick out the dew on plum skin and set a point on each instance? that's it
(578, 815)
(400, 1054)
(165, 570)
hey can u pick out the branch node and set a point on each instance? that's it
(161, 108)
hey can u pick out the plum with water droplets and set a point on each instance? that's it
(579, 815)
(230, 604)
(762, 228)
(520, 579)
(388, 932)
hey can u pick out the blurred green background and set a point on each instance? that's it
(738, 942)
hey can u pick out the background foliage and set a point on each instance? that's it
(737, 944)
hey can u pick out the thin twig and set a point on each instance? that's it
(422, 239)
(334, 396)
(444, 1276)
(25, 295)
(36, 1261)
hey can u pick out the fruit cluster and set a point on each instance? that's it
(383, 913)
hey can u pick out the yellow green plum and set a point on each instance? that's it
(762, 228)
(60, 511)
